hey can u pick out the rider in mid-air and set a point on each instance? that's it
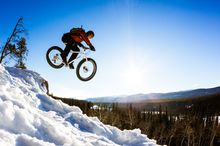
(72, 40)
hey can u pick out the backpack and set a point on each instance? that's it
(76, 29)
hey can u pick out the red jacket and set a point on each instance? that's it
(79, 35)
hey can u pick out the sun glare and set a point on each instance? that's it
(133, 76)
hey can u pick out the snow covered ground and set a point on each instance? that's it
(28, 117)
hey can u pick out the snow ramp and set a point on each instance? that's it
(28, 117)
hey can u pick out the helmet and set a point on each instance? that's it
(90, 33)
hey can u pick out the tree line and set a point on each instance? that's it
(197, 125)
(189, 129)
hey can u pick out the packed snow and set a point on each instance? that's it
(28, 117)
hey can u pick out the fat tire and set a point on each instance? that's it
(93, 72)
(48, 59)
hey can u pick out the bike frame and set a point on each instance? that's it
(80, 54)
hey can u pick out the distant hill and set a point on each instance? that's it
(152, 96)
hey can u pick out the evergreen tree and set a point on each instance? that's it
(15, 47)
(20, 53)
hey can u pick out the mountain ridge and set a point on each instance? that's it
(150, 96)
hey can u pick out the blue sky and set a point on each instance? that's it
(143, 46)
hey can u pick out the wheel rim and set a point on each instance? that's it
(55, 57)
(87, 69)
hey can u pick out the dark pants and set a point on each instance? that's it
(70, 45)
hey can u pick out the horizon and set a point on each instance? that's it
(141, 46)
(109, 96)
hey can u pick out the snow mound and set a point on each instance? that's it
(28, 117)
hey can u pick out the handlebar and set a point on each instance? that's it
(87, 48)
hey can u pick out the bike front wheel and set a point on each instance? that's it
(53, 57)
(86, 69)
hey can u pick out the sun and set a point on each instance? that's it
(133, 75)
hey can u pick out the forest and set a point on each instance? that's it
(173, 122)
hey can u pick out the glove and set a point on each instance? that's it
(92, 48)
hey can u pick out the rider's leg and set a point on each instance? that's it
(65, 53)
(67, 39)
(74, 55)
(71, 66)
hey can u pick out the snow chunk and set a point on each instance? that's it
(6, 139)
(25, 140)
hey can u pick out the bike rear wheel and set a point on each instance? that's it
(86, 69)
(53, 57)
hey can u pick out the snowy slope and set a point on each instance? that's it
(28, 117)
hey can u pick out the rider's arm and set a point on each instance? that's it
(85, 38)
(81, 45)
